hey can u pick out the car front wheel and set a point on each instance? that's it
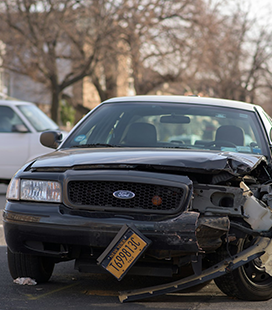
(37, 268)
(249, 282)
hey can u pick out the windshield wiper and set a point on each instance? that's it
(95, 145)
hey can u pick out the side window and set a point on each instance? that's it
(8, 118)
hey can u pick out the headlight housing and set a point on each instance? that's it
(34, 190)
(13, 190)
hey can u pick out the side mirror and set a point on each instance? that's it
(19, 128)
(51, 139)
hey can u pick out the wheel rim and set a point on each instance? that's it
(253, 271)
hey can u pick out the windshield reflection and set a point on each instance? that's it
(39, 120)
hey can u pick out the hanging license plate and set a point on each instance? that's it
(123, 251)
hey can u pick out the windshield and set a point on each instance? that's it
(167, 125)
(39, 120)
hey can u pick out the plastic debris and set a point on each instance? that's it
(25, 281)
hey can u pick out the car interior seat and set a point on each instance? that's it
(230, 133)
(141, 134)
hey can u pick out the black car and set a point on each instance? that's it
(165, 186)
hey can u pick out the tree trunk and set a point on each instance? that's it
(55, 104)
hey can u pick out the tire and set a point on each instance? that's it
(249, 282)
(37, 268)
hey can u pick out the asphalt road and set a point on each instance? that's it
(69, 289)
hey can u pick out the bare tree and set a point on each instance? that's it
(41, 35)
(154, 35)
(233, 53)
(157, 33)
(191, 42)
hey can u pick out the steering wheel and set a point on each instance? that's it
(221, 143)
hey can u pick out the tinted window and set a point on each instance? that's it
(8, 118)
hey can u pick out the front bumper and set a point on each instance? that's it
(44, 229)
(39, 228)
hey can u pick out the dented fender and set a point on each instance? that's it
(193, 233)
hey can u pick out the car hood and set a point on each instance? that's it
(208, 161)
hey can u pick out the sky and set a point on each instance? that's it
(261, 8)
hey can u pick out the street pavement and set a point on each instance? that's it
(71, 290)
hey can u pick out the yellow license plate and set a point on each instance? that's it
(124, 253)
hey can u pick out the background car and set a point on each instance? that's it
(21, 124)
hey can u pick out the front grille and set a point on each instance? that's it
(99, 195)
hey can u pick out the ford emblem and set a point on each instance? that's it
(122, 194)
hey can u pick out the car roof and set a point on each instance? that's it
(185, 99)
(15, 102)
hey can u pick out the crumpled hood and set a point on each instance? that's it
(211, 162)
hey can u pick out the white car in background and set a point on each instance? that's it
(21, 124)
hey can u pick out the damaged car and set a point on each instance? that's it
(168, 186)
